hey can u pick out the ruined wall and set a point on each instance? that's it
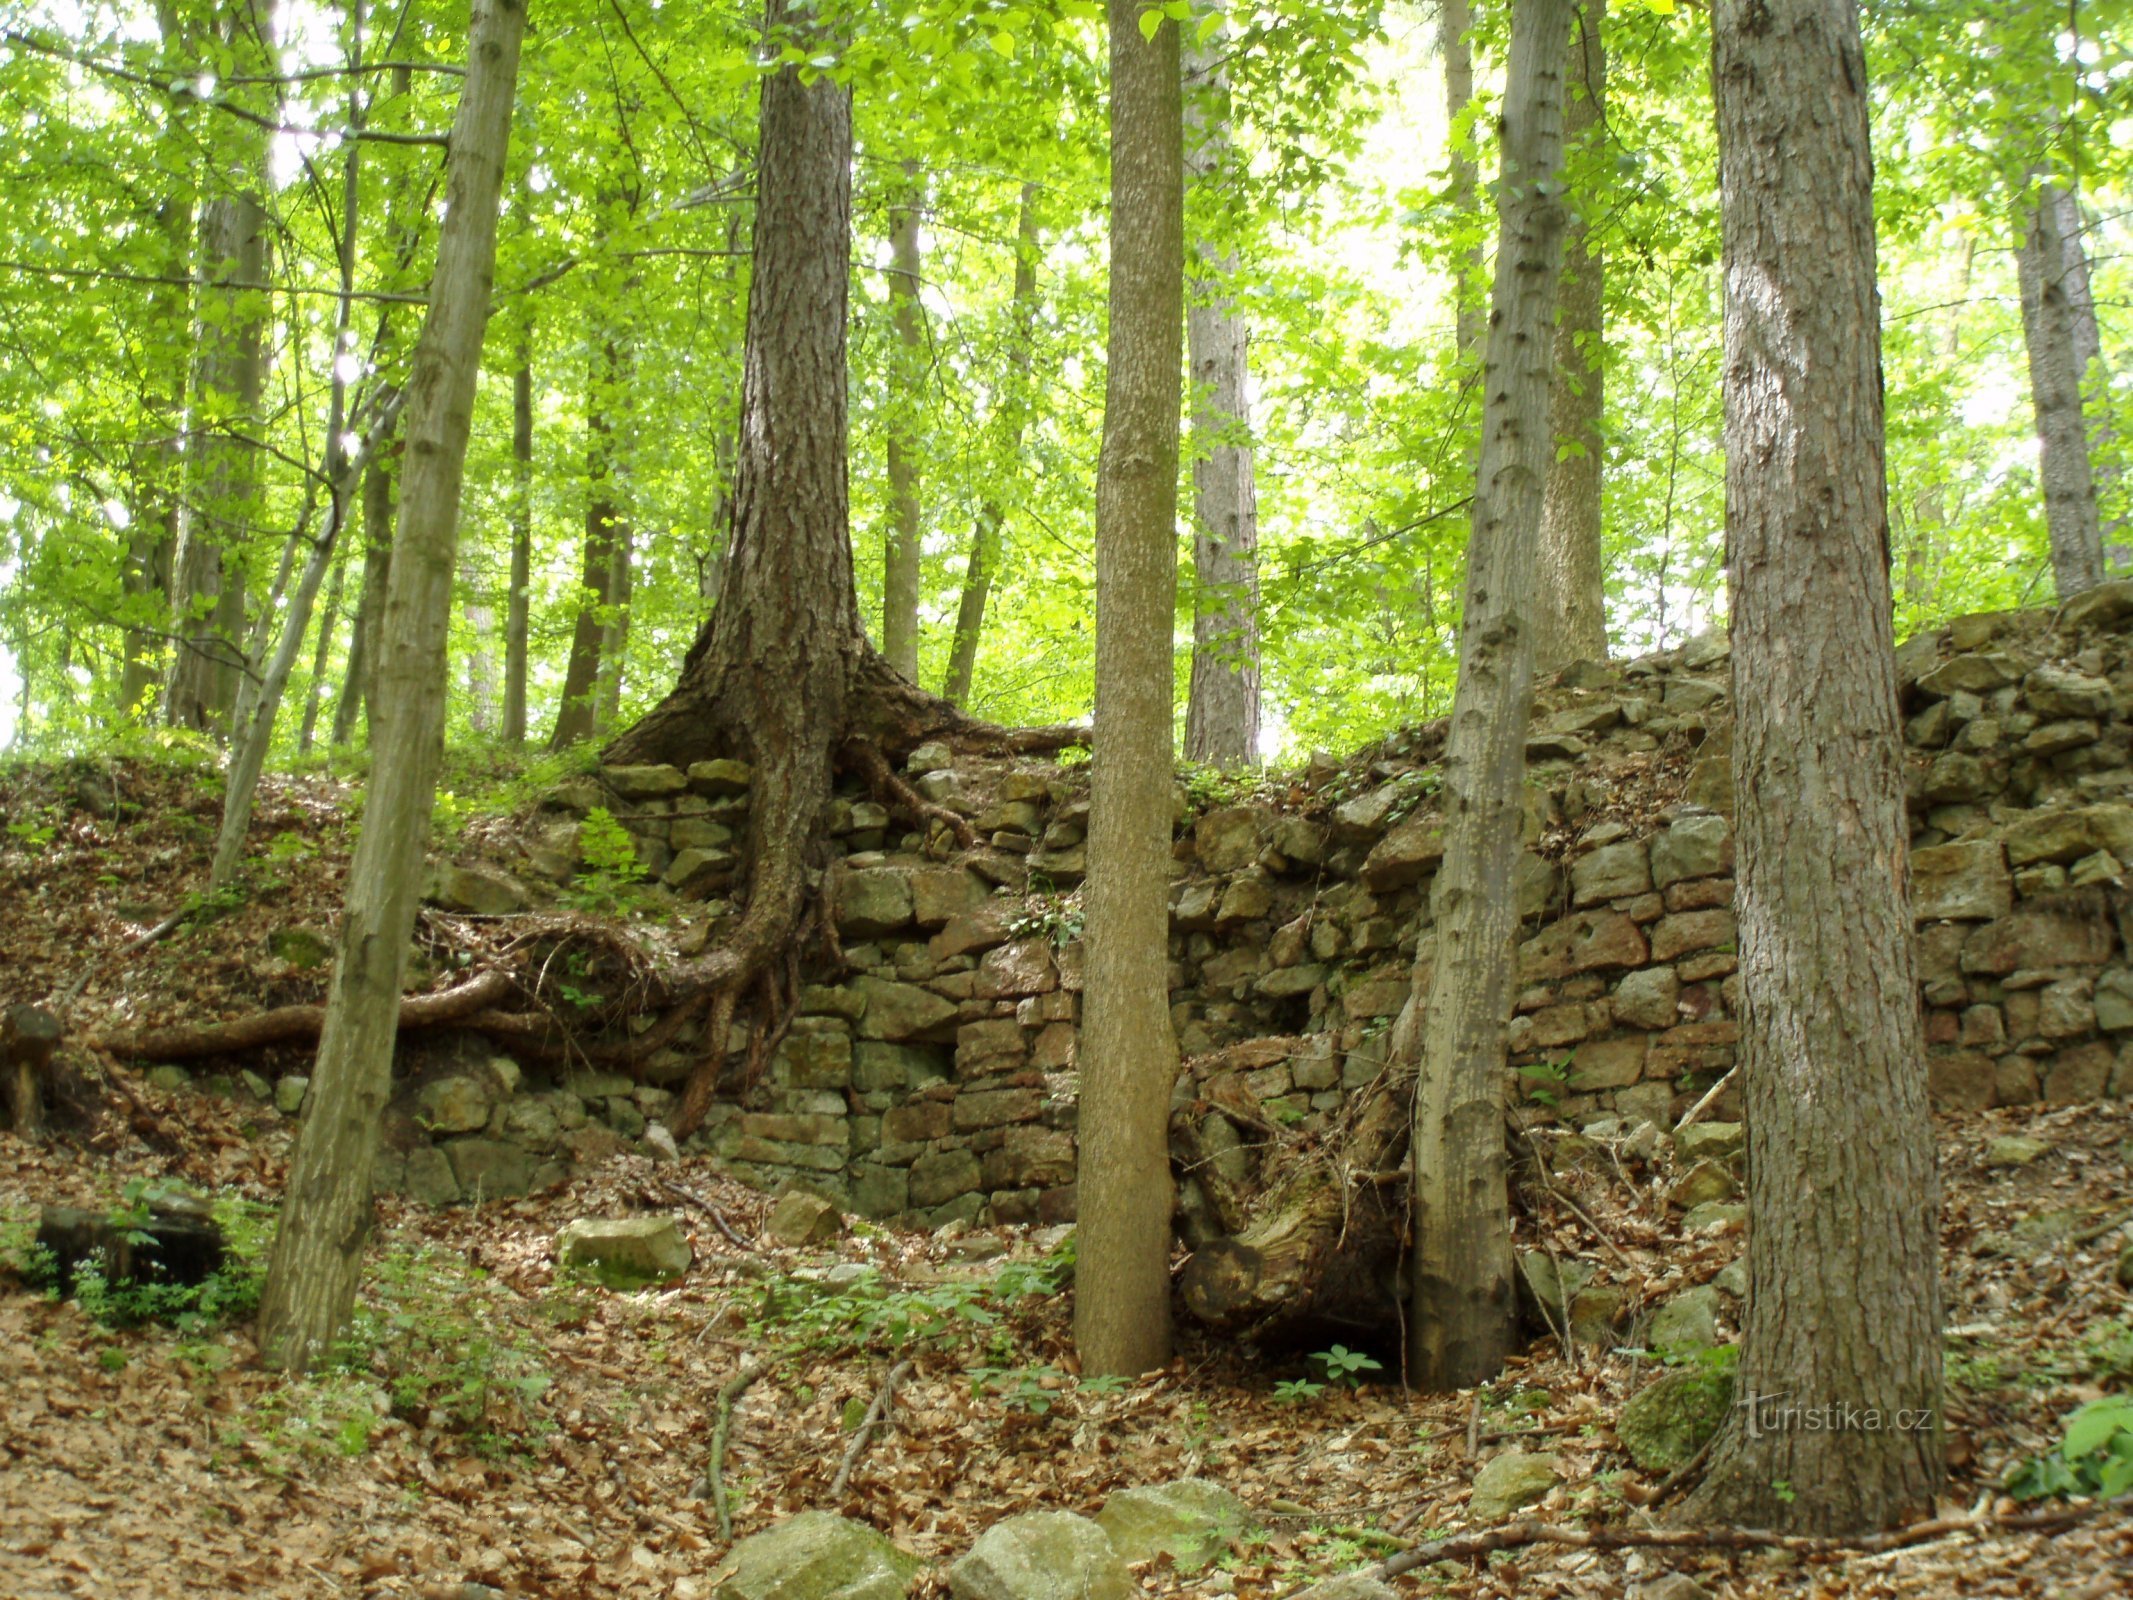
(935, 1077)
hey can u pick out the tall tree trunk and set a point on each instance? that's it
(481, 668)
(322, 656)
(1222, 704)
(1128, 1053)
(901, 550)
(2070, 512)
(1843, 1312)
(516, 609)
(326, 1216)
(615, 632)
(1571, 617)
(359, 689)
(1455, 24)
(160, 462)
(1011, 411)
(1460, 1324)
(2095, 375)
(578, 717)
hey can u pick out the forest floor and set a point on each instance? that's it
(492, 1429)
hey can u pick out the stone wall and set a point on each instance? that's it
(934, 1077)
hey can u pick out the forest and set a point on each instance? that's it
(1035, 798)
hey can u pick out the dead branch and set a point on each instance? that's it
(877, 1415)
(296, 1024)
(751, 1368)
(693, 1198)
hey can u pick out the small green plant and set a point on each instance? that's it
(1031, 1390)
(1546, 1080)
(2095, 1457)
(35, 830)
(1344, 1368)
(1054, 919)
(1294, 1391)
(612, 874)
(1784, 1490)
(228, 1294)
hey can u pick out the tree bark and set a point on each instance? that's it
(1222, 704)
(1571, 617)
(1128, 1054)
(1011, 409)
(322, 656)
(517, 607)
(1463, 1313)
(1843, 1303)
(359, 689)
(2068, 478)
(2095, 375)
(577, 718)
(1455, 24)
(901, 549)
(317, 1256)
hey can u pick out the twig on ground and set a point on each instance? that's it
(705, 1206)
(877, 1415)
(751, 1368)
(1683, 1473)
(1709, 1095)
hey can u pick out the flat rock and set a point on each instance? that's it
(800, 1220)
(1042, 1555)
(816, 1555)
(481, 891)
(1192, 1521)
(2014, 1150)
(1511, 1480)
(646, 782)
(625, 1252)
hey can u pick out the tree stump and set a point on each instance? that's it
(177, 1242)
(28, 1036)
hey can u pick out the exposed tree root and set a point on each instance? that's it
(296, 1024)
(1513, 1535)
(889, 786)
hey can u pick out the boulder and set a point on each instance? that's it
(305, 949)
(802, 1220)
(816, 1555)
(873, 901)
(1673, 1417)
(1587, 941)
(1689, 1321)
(1230, 839)
(458, 1104)
(490, 1169)
(1042, 1555)
(1966, 882)
(1710, 1141)
(1511, 1480)
(625, 1252)
(1648, 998)
(1361, 1584)
(289, 1094)
(2014, 1150)
(481, 891)
(1192, 1521)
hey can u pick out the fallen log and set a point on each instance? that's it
(1316, 1257)
(28, 1036)
(296, 1024)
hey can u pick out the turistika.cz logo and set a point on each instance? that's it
(1780, 1413)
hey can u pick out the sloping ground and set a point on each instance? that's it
(151, 1463)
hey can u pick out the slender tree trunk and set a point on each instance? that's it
(1011, 410)
(2070, 511)
(2095, 374)
(1843, 1309)
(516, 609)
(318, 1250)
(359, 690)
(322, 656)
(1222, 704)
(481, 668)
(1128, 1054)
(1455, 24)
(1571, 617)
(901, 549)
(615, 632)
(577, 718)
(1460, 1324)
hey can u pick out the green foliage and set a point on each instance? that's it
(2095, 1456)
(228, 1295)
(1344, 1367)
(1057, 919)
(612, 874)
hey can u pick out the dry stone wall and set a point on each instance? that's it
(934, 1077)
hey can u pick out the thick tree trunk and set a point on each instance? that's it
(1462, 1320)
(900, 549)
(1455, 22)
(1222, 705)
(318, 1251)
(1128, 1054)
(516, 608)
(1843, 1312)
(1011, 410)
(1571, 616)
(2069, 481)
(577, 718)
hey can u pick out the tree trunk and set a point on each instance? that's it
(322, 656)
(578, 717)
(1455, 22)
(358, 687)
(1222, 705)
(1571, 616)
(481, 668)
(318, 1250)
(2095, 375)
(1843, 1311)
(516, 609)
(1463, 1313)
(1129, 1057)
(2069, 481)
(1011, 410)
(900, 550)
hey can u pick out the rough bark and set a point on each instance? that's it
(577, 717)
(1462, 1318)
(2095, 375)
(317, 1256)
(1011, 417)
(1843, 1303)
(2069, 481)
(1128, 1054)
(1455, 22)
(900, 546)
(517, 607)
(1222, 704)
(1570, 619)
